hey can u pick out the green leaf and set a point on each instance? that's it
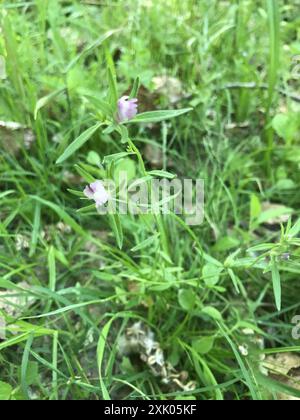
(32, 373)
(110, 128)
(212, 313)
(115, 157)
(278, 386)
(186, 299)
(276, 283)
(45, 100)
(112, 81)
(203, 345)
(93, 158)
(248, 375)
(162, 174)
(135, 88)
(255, 209)
(286, 126)
(101, 105)
(146, 243)
(36, 331)
(285, 184)
(87, 209)
(234, 280)
(52, 268)
(294, 231)
(35, 230)
(261, 247)
(211, 274)
(127, 166)
(5, 391)
(157, 116)
(124, 134)
(84, 174)
(24, 366)
(115, 223)
(78, 143)
(6, 193)
(212, 260)
(274, 215)
(274, 32)
(100, 355)
(6, 284)
(226, 243)
(76, 193)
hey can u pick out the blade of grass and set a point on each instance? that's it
(78, 143)
(35, 230)
(274, 35)
(24, 365)
(247, 376)
(276, 283)
(55, 365)
(100, 354)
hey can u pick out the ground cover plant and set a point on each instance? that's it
(147, 306)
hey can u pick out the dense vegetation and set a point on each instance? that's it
(144, 307)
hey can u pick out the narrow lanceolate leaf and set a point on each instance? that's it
(46, 99)
(276, 284)
(162, 174)
(102, 343)
(115, 223)
(234, 280)
(274, 30)
(24, 366)
(35, 230)
(52, 268)
(157, 116)
(5, 193)
(78, 143)
(294, 231)
(246, 372)
(101, 105)
(135, 88)
(112, 80)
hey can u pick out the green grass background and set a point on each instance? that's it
(238, 65)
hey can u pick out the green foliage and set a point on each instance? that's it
(217, 89)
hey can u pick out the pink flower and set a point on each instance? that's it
(127, 108)
(96, 192)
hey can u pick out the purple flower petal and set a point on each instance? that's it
(127, 108)
(88, 192)
(96, 191)
(97, 186)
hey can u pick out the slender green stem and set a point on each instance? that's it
(274, 36)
